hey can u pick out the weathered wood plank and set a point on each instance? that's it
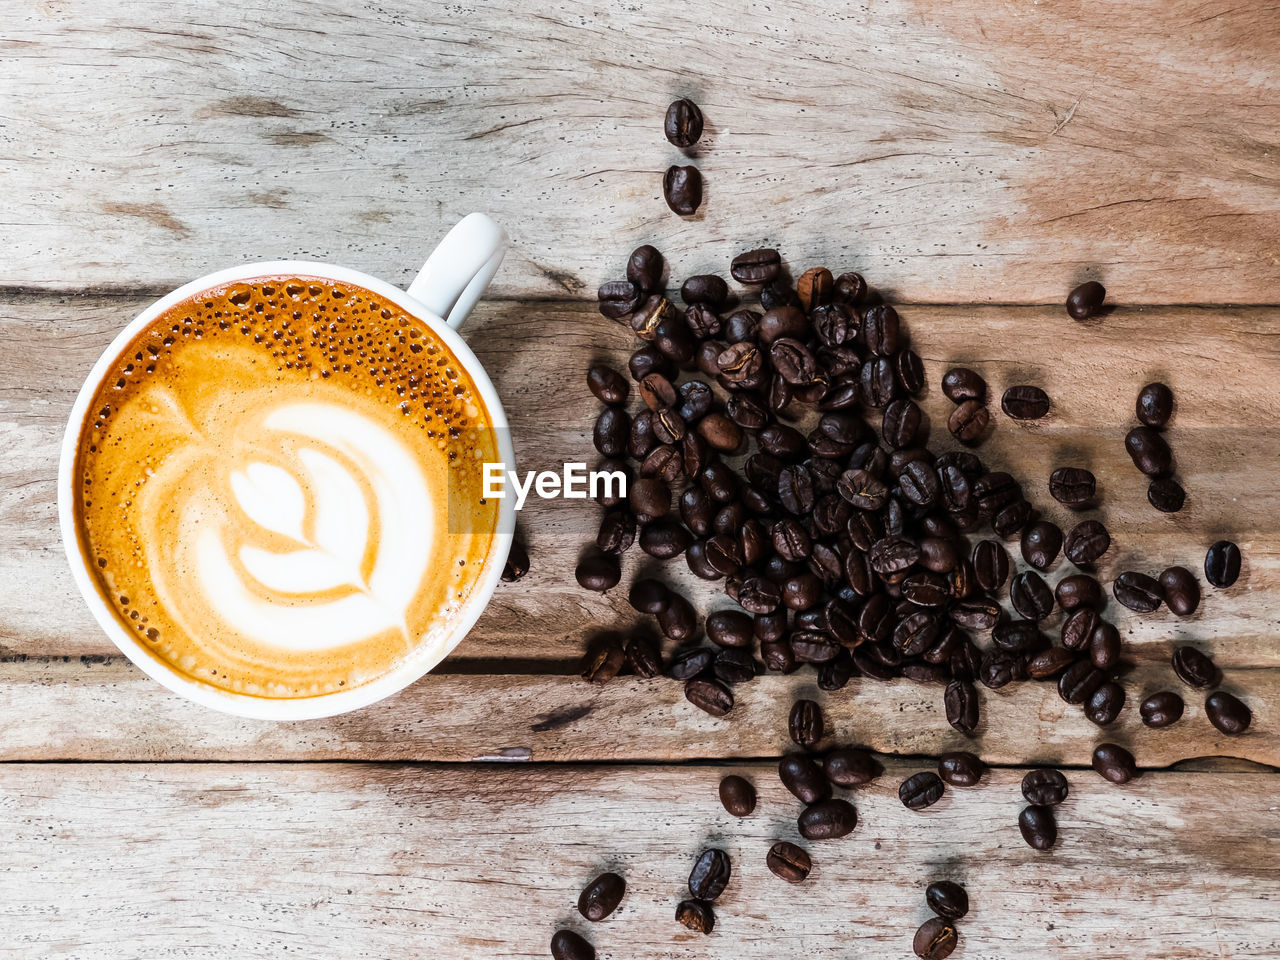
(60, 710)
(365, 861)
(954, 152)
(1222, 364)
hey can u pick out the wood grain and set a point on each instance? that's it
(74, 710)
(1222, 364)
(356, 861)
(953, 152)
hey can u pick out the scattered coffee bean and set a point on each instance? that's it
(803, 778)
(1114, 763)
(683, 123)
(618, 299)
(935, 940)
(682, 189)
(705, 288)
(990, 565)
(1227, 713)
(848, 767)
(1079, 681)
(649, 596)
(1087, 541)
(737, 795)
(567, 945)
(961, 703)
(789, 862)
(696, 915)
(1031, 596)
(1078, 590)
(1105, 703)
(815, 287)
(598, 571)
(608, 385)
(1194, 668)
(1041, 543)
(644, 268)
(969, 421)
(601, 896)
(947, 899)
(960, 384)
(710, 696)
(644, 658)
(1039, 829)
(1149, 451)
(1025, 403)
(604, 659)
(1166, 494)
(1072, 486)
(1044, 788)
(921, 790)
(1155, 404)
(1049, 663)
(1086, 300)
(611, 432)
(1181, 590)
(805, 724)
(1161, 709)
(827, 820)
(1137, 591)
(960, 768)
(756, 266)
(1104, 645)
(1222, 564)
(710, 874)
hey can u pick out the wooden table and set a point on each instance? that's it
(973, 160)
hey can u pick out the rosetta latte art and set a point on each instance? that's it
(283, 529)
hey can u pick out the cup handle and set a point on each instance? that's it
(458, 270)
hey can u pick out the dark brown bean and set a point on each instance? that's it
(935, 940)
(710, 696)
(696, 915)
(756, 266)
(1161, 709)
(1228, 713)
(805, 724)
(682, 189)
(921, 790)
(1025, 403)
(1113, 762)
(683, 123)
(1041, 543)
(737, 795)
(567, 945)
(1044, 788)
(1149, 451)
(1038, 826)
(803, 778)
(1137, 591)
(850, 767)
(827, 820)
(788, 862)
(1073, 486)
(644, 268)
(1155, 404)
(960, 384)
(1181, 590)
(1086, 300)
(1193, 667)
(1086, 542)
(601, 896)
(960, 769)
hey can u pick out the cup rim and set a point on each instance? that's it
(247, 705)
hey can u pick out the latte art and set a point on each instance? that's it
(267, 492)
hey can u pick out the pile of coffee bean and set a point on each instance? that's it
(682, 184)
(1149, 450)
(937, 936)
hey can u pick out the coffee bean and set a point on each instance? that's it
(1161, 709)
(1222, 564)
(1104, 645)
(682, 189)
(1181, 590)
(649, 596)
(1025, 403)
(705, 288)
(690, 663)
(737, 795)
(702, 322)
(850, 288)
(849, 767)
(683, 123)
(805, 724)
(969, 421)
(1105, 703)
(644, 268)
(960, 769)
(608, 385)
(935, 940)
(604, 659)
(1137, 591)
(1114, 763)
(611, 431)
(618, 298)
(994, 491)
(664, 538)
(617, 531)
(567, 945)
(1038, 827)
(909, 370)
(1078, 590)
(789, 862)
(1031, 596)
(1085, 300)
(710, 874)
(517, 564)
(710, 696)
(961, 703)
(729, 628)
(1155, 404)
(1149, 451)
(960, 384)
(650, 497)
(921, 790)
(793, 361)
(801, 776)
(947, 899)
(1166, 494)
(1079, 681)
(1227, 713)
(601, 896)
(733, 665)
(862, 489)
(1193, 667)
(1017, 636)
(881, 330)
(835, 674)
(720, 432)
(648, 360)
(756, 266)
(1041, 543)
(1049, 663)
(1044, 788)
(644, 658)
(1087, 541)
(876, 382)
(827, 820)
(815, 287)
(645, 321)
(599, 572)
(1072, 486)
(696, 915)
(901, 423)
(990, 565)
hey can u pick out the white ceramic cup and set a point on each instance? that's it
(441, 296)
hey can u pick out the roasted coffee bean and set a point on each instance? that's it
(850, 288)
(919, 483)
(644, 268)
(918, 671)
(1181, 590)
(927, 589)
(802, 592)
(648, 360)
(650, 497)
(678, 620)
(729, 628)
(966, 661)
(1031, 596)
(733, 665)
(969, 421)
(938, 554)
(786, 321)
(921, 790)
(612, 429)
(710, 874)
(778, 293)
(710, 696)
(1013, 519)
(960, 768)
(999, 669)
(697, 510)
(1105, 704)
(947, 899)
(618, 299)
(815, 287)
(881, 330)
(1079, 681)
(791, 540)
(1137, 591)
(598, 571)
(746, 412)
(803, 778)
(979, 613)
(682, 189)
(960, 384)
(1073, 486)
(935, 940)
(812, 647)
(1038, 827)
(1017, 636)
(788, 862)
(646, 318)
(955, 493)
(705, 288)
(675, 340)
(990, 565)
(1155, 404)
(1222, 564)
(836, 673)
(1113, 762)
(1086, 300)
(695, 556)
(683, 123)
(1104, 645)
(644, 658)
(1193, 667)
(701, 322)
(567, 945)
(696, 915)
(608, 385)
(793, 361)
(604, 659)
(719, 480)
(617, 532)
(849, 767)
(665, 538)
(893, 555)
(916, 633)
(805, 724)
(783, 442)
(862, 489)
(835, 326)
(1044, 788)
(601, 896)
(756, 266)
(1078, 590)
(737, 795)
(1161, 709)
(909, 370)
(1049, 663)
(827, 820)
(688, 664)
(777, 656)
(995, 490)
(901, 423)
(1149, 451)
(1086, 542)
(641, 440)
(668, 426)
(1227, 713)
(758, 595)
(1041, 543)
(1025, 403)
(517, 564)
(961, 702)
(649, 596)
(1166, 494)
(877, 384)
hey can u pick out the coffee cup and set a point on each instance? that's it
(244, 431)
